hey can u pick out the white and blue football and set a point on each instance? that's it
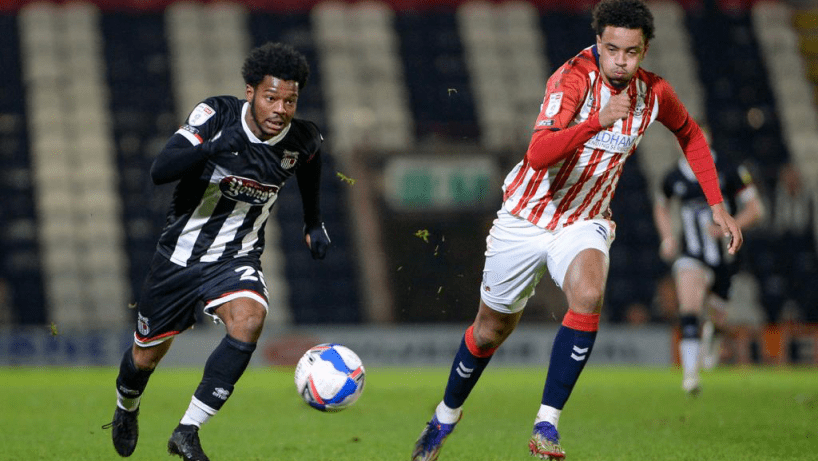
(330, 377)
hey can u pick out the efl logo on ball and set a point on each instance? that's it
(329, 377)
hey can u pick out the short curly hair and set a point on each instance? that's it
(630, 14)
(277, 59)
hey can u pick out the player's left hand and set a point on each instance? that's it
(728, 226)
(230, 139)
(317, 240)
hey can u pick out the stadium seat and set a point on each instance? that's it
(503, 43)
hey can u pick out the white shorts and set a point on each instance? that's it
(518, 253)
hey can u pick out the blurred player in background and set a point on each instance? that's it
(231, 158)
(702, 269)
(556, 217)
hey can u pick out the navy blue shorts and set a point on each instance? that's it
(172, 293)
(720, 276)
(723, 279)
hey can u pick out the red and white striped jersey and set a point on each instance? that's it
(580, 185)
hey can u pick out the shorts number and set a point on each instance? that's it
(249, 273)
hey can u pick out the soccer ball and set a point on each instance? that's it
(329, 377)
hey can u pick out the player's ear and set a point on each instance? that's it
(249, 91)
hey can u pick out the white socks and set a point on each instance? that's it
(197, 413)
(689, 356)
(447, 415)
(550, 414)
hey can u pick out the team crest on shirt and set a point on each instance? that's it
(247, 190)
(289, 159)
(143, 325)
(639, 109)
(554, 104)
(200, 114)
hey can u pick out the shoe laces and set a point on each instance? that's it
(191, 440)
(119, 421)
(436, 432)
(547, 431)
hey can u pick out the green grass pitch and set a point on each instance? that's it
(615, 413)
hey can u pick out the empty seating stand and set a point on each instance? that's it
(75, 176)
(143, 116)
(20, 272)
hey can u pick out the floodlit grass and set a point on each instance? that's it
(615, 413)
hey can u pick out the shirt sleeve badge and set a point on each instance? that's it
(554, 104)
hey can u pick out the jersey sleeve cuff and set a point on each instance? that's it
(194, 139)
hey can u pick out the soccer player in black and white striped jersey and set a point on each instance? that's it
(702, 267)
(231, 158)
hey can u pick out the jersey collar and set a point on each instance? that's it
(272, 141)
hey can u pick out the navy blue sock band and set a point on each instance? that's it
(131, 381)
(465, 372)
(689, 324)
(568, 357)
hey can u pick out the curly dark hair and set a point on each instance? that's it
(630, 14)
(276, 59)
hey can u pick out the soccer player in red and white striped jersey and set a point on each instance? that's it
(556, 216)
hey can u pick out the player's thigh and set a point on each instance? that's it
(584, 281)
(238, 285)
(571, 242)
(514, 265)
(693, 281)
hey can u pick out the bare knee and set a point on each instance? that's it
(245, 323)
(488, 337)
(147, 358)
(586, 298)
(491, 328)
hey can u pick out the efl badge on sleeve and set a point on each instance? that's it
(200, 114)
(554, 104)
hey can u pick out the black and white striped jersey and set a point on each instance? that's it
(221, 205)
(736, 186)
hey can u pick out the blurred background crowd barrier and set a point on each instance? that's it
(424, 107)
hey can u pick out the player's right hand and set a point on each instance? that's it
(618, 107)
(231, 139)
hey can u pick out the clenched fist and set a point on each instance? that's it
(617, 108)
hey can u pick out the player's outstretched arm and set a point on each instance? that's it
(728, 225)
(178, 156)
